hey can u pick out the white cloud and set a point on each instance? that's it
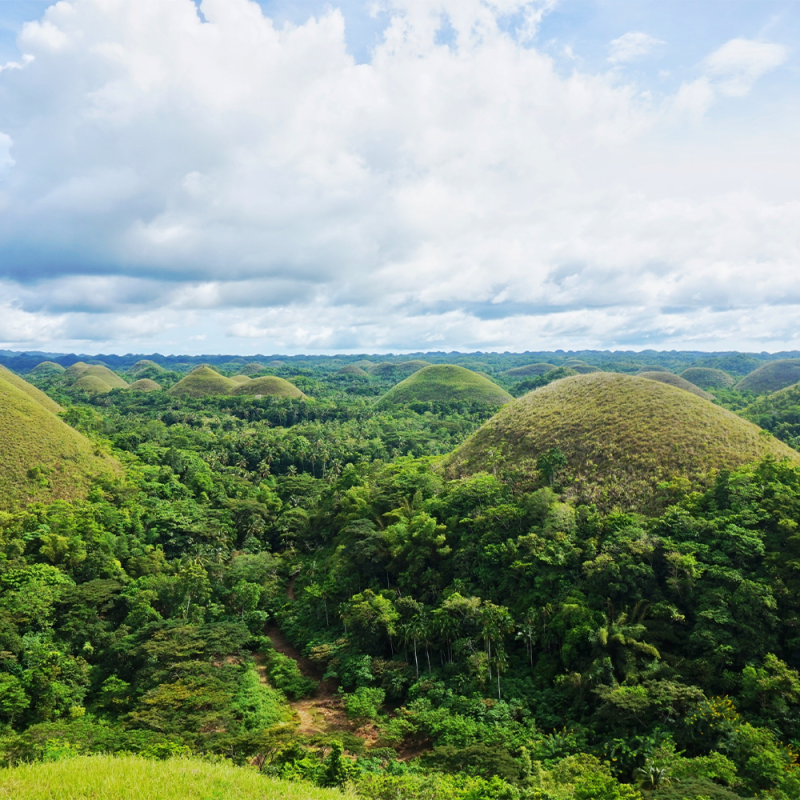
(176, 178)
(739, 63)
(631, 46)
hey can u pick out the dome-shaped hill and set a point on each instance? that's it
(145, 385)
(676, 381)
(269, 386)
(621, 436)
(145, 366)
(364, 364)
(352, 369)
(92, 384)
(771, 377)
(446, 383)
(252, 368)
(74, 371)
(275, 364)
(42, 458)
(652, 368)
(203, 382)
(396, 369)
(583, 369)
(46, 368)
(106, 375)
(530, 369)
(32, 392)
(708, 378)
(240, 379)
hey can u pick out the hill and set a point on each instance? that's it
(135, 778)
(145, 385)
(771, 377)
(46, 368)
(106, 375)
(203, 382)
(240, 378)
(145, 366)
(538, 368)
(91, 384)
(252, 368)
(41, 457)
(392, 369)
(268, 386)
(352, 369)
(620, 436)
(446, 383)
(74, 371)
(675, 380)
(708, 378)
(35, 394)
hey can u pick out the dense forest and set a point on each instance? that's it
(299, 581)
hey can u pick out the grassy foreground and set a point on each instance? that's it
(134, 778)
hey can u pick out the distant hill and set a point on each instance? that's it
(145, 367)
(41, 457)
(771, 377)
(106, 375)
(46, 368)
(391, 369)
(203, 382)
(91, 384)
(677, 382)
(268, 386)
(74, 371)
(446, 383)
(708, 378)
(145, 385)
(352, 369)
(538, 368)
(32, 392)
(240, 379)
(620, 435)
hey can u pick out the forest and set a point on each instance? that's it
(561, 576)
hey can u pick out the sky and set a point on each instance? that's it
(298, 176)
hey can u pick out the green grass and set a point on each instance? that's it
(240, 378)
(106, 375)
(74, 371)
(145, 385)
(620, 435)
(47, 368)
(269, 386)
(530, 369)
(446, 383)
(32, 392)
(677, 381)
(92, 384)
(134, 778)
(392, 369)
(252, 368)
(203, 382)
(145, 365)
(41, 457)
(352, 369)
(708, 378)
(771, 377)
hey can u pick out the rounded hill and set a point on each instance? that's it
(352, 369)
(106, 375)
(620, 436)
(74, 371)
(393, 369)
(45, 368)
(145, 366)
(446, 383)
(708, 378)
(35, 394)
(240, 378)
(675, 380)
(771, 377)
(530, 369)
(41, 457)
(91, 384)
(203, 382)
(268, 386)
(145, 385)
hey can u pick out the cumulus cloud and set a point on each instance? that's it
(631, 46)
(177, 176)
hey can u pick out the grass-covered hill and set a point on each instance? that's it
(46, 368)
(392, 369)
(708, 378)
(352, 369)
(446, 383)
(539, 368)
(676, 381)
(110, 378)
(41, 457)
(32, 392)
(268, 386)
(91, 384)
(771, 377)
(146, 367)
(203, 382)
(145, 385)
(135, 778)
(74, 371)
(619, 435)
(240, 378)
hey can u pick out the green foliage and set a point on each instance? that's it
(708, 378)
(285, 675)
(364, 703)
(446, 384)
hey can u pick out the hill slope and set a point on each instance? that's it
(771, 377)
(269, 386)
(47, 368)
(145, 385)
(620, 435)
(446, 383)
(708, 378)
(530, 369)
(106, 375)
(134, 778)
(41, 457)
(676, 381)
(35, 394)
(202, 382)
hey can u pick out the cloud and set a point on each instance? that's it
(739, 63)
(631, 46)
(177, 177)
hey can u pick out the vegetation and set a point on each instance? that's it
(676, 381)
(111, 379)
(353, 369)
(46, 368)
(268, 386)
(145, 385)
(620, 437)
(240, 379)
(74, 371)
(389, 369)
(530, 369)
(446, 384)
(771, 377)
(203, 382)
(35, 394)
(708, 378)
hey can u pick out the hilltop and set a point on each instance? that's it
(620, 436)
(35, 394)
(530, 369)
(771, 377)
(708, 378)
(41, 457)
(202, 382)
(268, 386)
(676, 381)
(446, 383)
(145, 385)
(391, 369)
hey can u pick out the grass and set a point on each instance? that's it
(352, 369)
(252, 368)
(620, 435)
(47, 368)
(446, 383)
(391, 369)
(32, 392)
(135, 778)
(240, 378)
(145, 385)
(677, 381)
(106, 375)
(203, 382)
(708, 378)
(41, 457)
(92, 384)
(74, 371)
(530, 369)
(771, 377)
(269, 386)
(145, 365)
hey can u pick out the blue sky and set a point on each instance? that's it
(399, 175)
